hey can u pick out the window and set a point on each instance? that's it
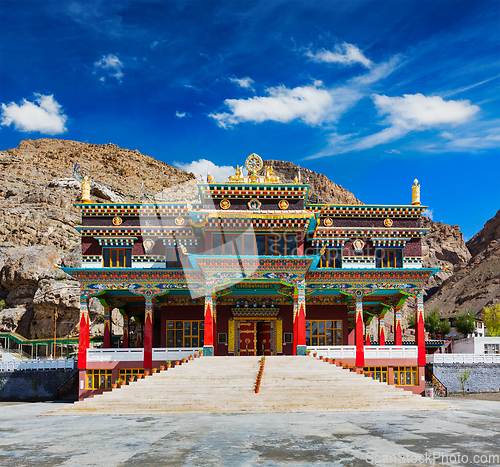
(288, 337)
(222, 338)
(271, 245)
(129, 374)
(117, 257)
(185, 333)
(405, 375)
(331, 258)
(492, 348)
(389, 258)
(378, 372)
(98, 379)
(323, 333)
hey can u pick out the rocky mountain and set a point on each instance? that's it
(322, 189)
(477, 283)
(38, 219)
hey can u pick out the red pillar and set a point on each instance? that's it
(295, 321)
(208, 345)
(381, 330)
(300, 319)
(83, 340)
(106, 341)
(148, 333)
(125, 330)
(398, 331)
(420, 329)
(360, 349)
(367, 338)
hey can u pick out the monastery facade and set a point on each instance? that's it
(252, 268)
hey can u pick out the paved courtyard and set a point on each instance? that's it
(467, 436)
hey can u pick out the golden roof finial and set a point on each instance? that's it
(86, 190)
(415, 193)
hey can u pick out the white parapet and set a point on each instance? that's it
(137, 355)
(462, 358)
(38, 365)
(372, 352)
(115, 355)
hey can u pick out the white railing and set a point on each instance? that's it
(337, 351)
(462, 358)
(38, 365)
(178, 353)
(137, 355)
(115, 355)
(374, 352)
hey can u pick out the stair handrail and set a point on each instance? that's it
(430, 375)
(67, 385)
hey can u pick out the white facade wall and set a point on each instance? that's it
(473, 345)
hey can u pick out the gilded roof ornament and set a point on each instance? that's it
(86, 190)
(415, 193)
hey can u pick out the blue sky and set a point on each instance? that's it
(372, 94)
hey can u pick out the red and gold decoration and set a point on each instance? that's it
(225, 204)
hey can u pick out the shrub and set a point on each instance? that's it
(432, 322)
(445, 327)
(466, 322)
(491, 317)
(3, 305)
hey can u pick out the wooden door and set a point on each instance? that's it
(248, 341)
(264, 338)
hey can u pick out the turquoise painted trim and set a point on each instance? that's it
(301, 350)
(208, 351)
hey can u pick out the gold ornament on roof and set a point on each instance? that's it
(238, 176)
(415, 193)
(328, 222)
(388, 222)
(225, 204)
(283, 204)
(86, 190)
(117, 220)
(179, 220)
(253, 164)
(270, 177)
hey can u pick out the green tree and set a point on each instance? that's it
(445, 327)
(466, 322)
(411, 321)
(463, 376)
(491, 316)
(432, 322)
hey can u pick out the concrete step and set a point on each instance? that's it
(225, 385)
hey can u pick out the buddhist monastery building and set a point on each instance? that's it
(252, 268)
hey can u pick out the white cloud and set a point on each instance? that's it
(412, 112)
(110, 64)
(418, 111)
(44, 115)
(429, 213)
(345, 54)
(307, 103)
(182, 114)
(243, 82)
(202, 167)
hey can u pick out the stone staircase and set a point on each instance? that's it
(226, 385)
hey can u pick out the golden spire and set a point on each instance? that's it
(415, 193)
(86, 190)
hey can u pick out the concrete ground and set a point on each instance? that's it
(467, 436)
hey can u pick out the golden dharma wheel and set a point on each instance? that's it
(283, 204)
(117, 220)
(225, 204)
